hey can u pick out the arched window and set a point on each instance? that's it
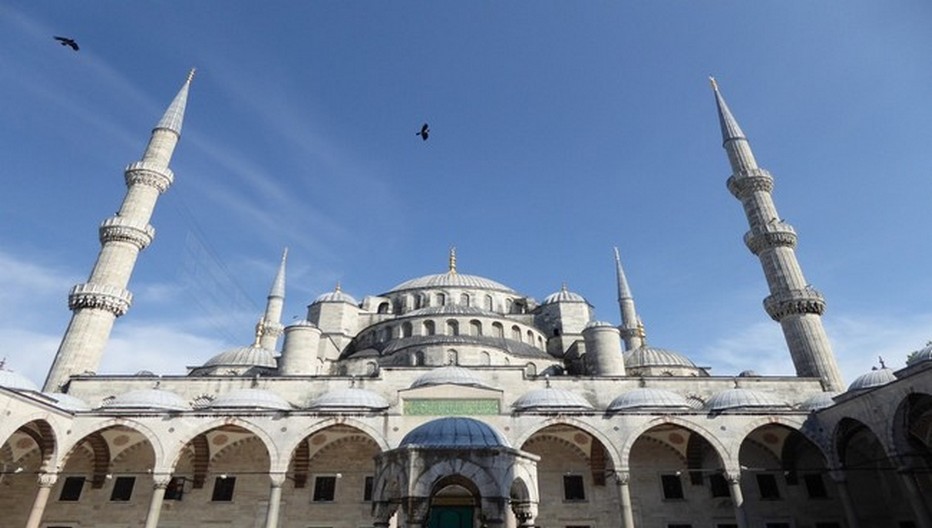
(371, 368)
(516, 333)
(508, 304)
(464, 299)
(498, 330)
(385, 334)
(429, 328)
(488, 303)
(417, 359)
(530, 337)
(530, 369)
(475, 328)
(441, 299)
(452, 357)
(453, 328)
(485, 358)
(406, 330)
(384, 308)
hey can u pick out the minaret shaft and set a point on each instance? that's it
(97, 303)
(630, 327)
(792, 302)
(272, 318)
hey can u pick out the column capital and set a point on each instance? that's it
(47, 480)
(622, 477)
(278, 479)
(161, 480)
(733, 475)
(838, 476)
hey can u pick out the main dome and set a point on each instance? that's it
(451, 280)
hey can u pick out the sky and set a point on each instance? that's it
(559, 130)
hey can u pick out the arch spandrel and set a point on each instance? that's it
(846, 426)
(797, 424)
(295, 440)
(43, 435)
(150, 436)
(611, 448)
(9, 428)
(634, 434)
(182, 439)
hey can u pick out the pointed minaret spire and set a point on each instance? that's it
(630, 322)
(96, 304)
(793, 302)
(452, 260)
(271, 322)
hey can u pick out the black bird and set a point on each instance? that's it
(65, 41)
(425, 131)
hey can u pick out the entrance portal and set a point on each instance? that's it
(451, 517)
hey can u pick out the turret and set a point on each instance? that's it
(97, 303)
(793, 302)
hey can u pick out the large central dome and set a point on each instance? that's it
(451, 279)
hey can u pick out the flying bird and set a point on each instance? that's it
(425, 131)
(65, 41)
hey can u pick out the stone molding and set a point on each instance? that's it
(150, 174)
(781, 234)
(101, 297)
(794, 302)
(122, 229)
(743, 183)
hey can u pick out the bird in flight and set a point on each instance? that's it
(65, 41)
(425, 131)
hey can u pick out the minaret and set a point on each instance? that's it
(630, 326)
(271, 323)
(793, 302)
(104, 297)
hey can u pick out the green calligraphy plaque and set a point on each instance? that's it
(452, 407)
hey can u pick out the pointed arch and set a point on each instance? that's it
(719, 448)
(176, 450)
(611, 449)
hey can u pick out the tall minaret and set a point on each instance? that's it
(793, 302)
(104, 297)
(271, 323)
(630, 326)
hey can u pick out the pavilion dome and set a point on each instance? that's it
(449, 375)
(148, 399)
(454, 432)
(336, 296)
(252, 355)
(67, 401)
(15, 380)
(646, 398)
(818, 401)
(250, 399)
(551, 399)
(349, 399)
(648, 356)
(739, 398)
(564, 295)
(921, 356)
(599, 324)
(451, 280)
(874, 378)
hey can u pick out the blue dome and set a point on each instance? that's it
(454, 432)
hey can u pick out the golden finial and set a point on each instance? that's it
(452, 260)
(713, 83)
(191, 74)
(641, 332)
(337, 287)
(260, 331)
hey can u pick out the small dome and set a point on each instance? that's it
(644, 398)
(152, 399)
(451, 280)
(249, 399)
(301, 322)
(741, 399)
(648, 356)
(551, 399)
(67, 401)
(818, 401)
(349, 399)
(564, 295)
(15, 380)
(448, 376)
(253, 356)
(454, 432)
(874, 378)
(922, 355)
(336, 296)
(748, 374)
(599, 324)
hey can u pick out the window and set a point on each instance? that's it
(672, 486)
(71, 489)
(122, 489)
(175, 489)
(767, 484)
(573, 488)
(223, 489)
(325, 488)
(815, 486)
(367, 489)
(719, 486)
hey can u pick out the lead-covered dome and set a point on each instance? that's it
(920, 356)
(740, 399)
(649, 356)
(67, 401)
(454, 432)
(15, 380)
(148, 399)
(251, 356)
(451, 279)
(645, 398)
(819, 400)
(336, 296)
(449, 375)
(874, 378)
(564, 295)
(551, 399)
(350, 399)
(250, 399)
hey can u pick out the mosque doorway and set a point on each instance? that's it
(452, 507)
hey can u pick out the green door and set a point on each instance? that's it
(450, 517)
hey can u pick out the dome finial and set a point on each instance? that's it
(452, 260)
(337, 288)
(882, 365)
(260, 330)
(713, 83)
(191, 73)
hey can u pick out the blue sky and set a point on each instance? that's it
(560, 129)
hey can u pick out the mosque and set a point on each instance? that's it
(454, 401)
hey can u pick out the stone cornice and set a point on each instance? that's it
(150, 174)
(100, 297)
(774, 235)
(121, 229)
(794, 302)
(750, 181)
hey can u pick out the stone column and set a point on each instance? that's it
(841, 484)
(415, 512)
(46, 481)
(623, 478)
(159, 484)
(734, 483)
(275, 499)
(916, 501)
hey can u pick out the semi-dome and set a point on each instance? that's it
(148, 399)
(921, 356)
(819, 400)
(249, 399)
(874, 378)
(551, 399)
(739, 398)
(15, 380)
(648, 356)
(67, 401)
(564, 295)
(645, 398)
(252, 355)
(336, 296)
(454, 432)
(349, 399)
(452, 280)
(449, 375)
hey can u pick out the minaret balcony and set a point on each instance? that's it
(100, 297)
(151, 174)
(794, 302)
(776, 234)
(745, 182)
(122, 229)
